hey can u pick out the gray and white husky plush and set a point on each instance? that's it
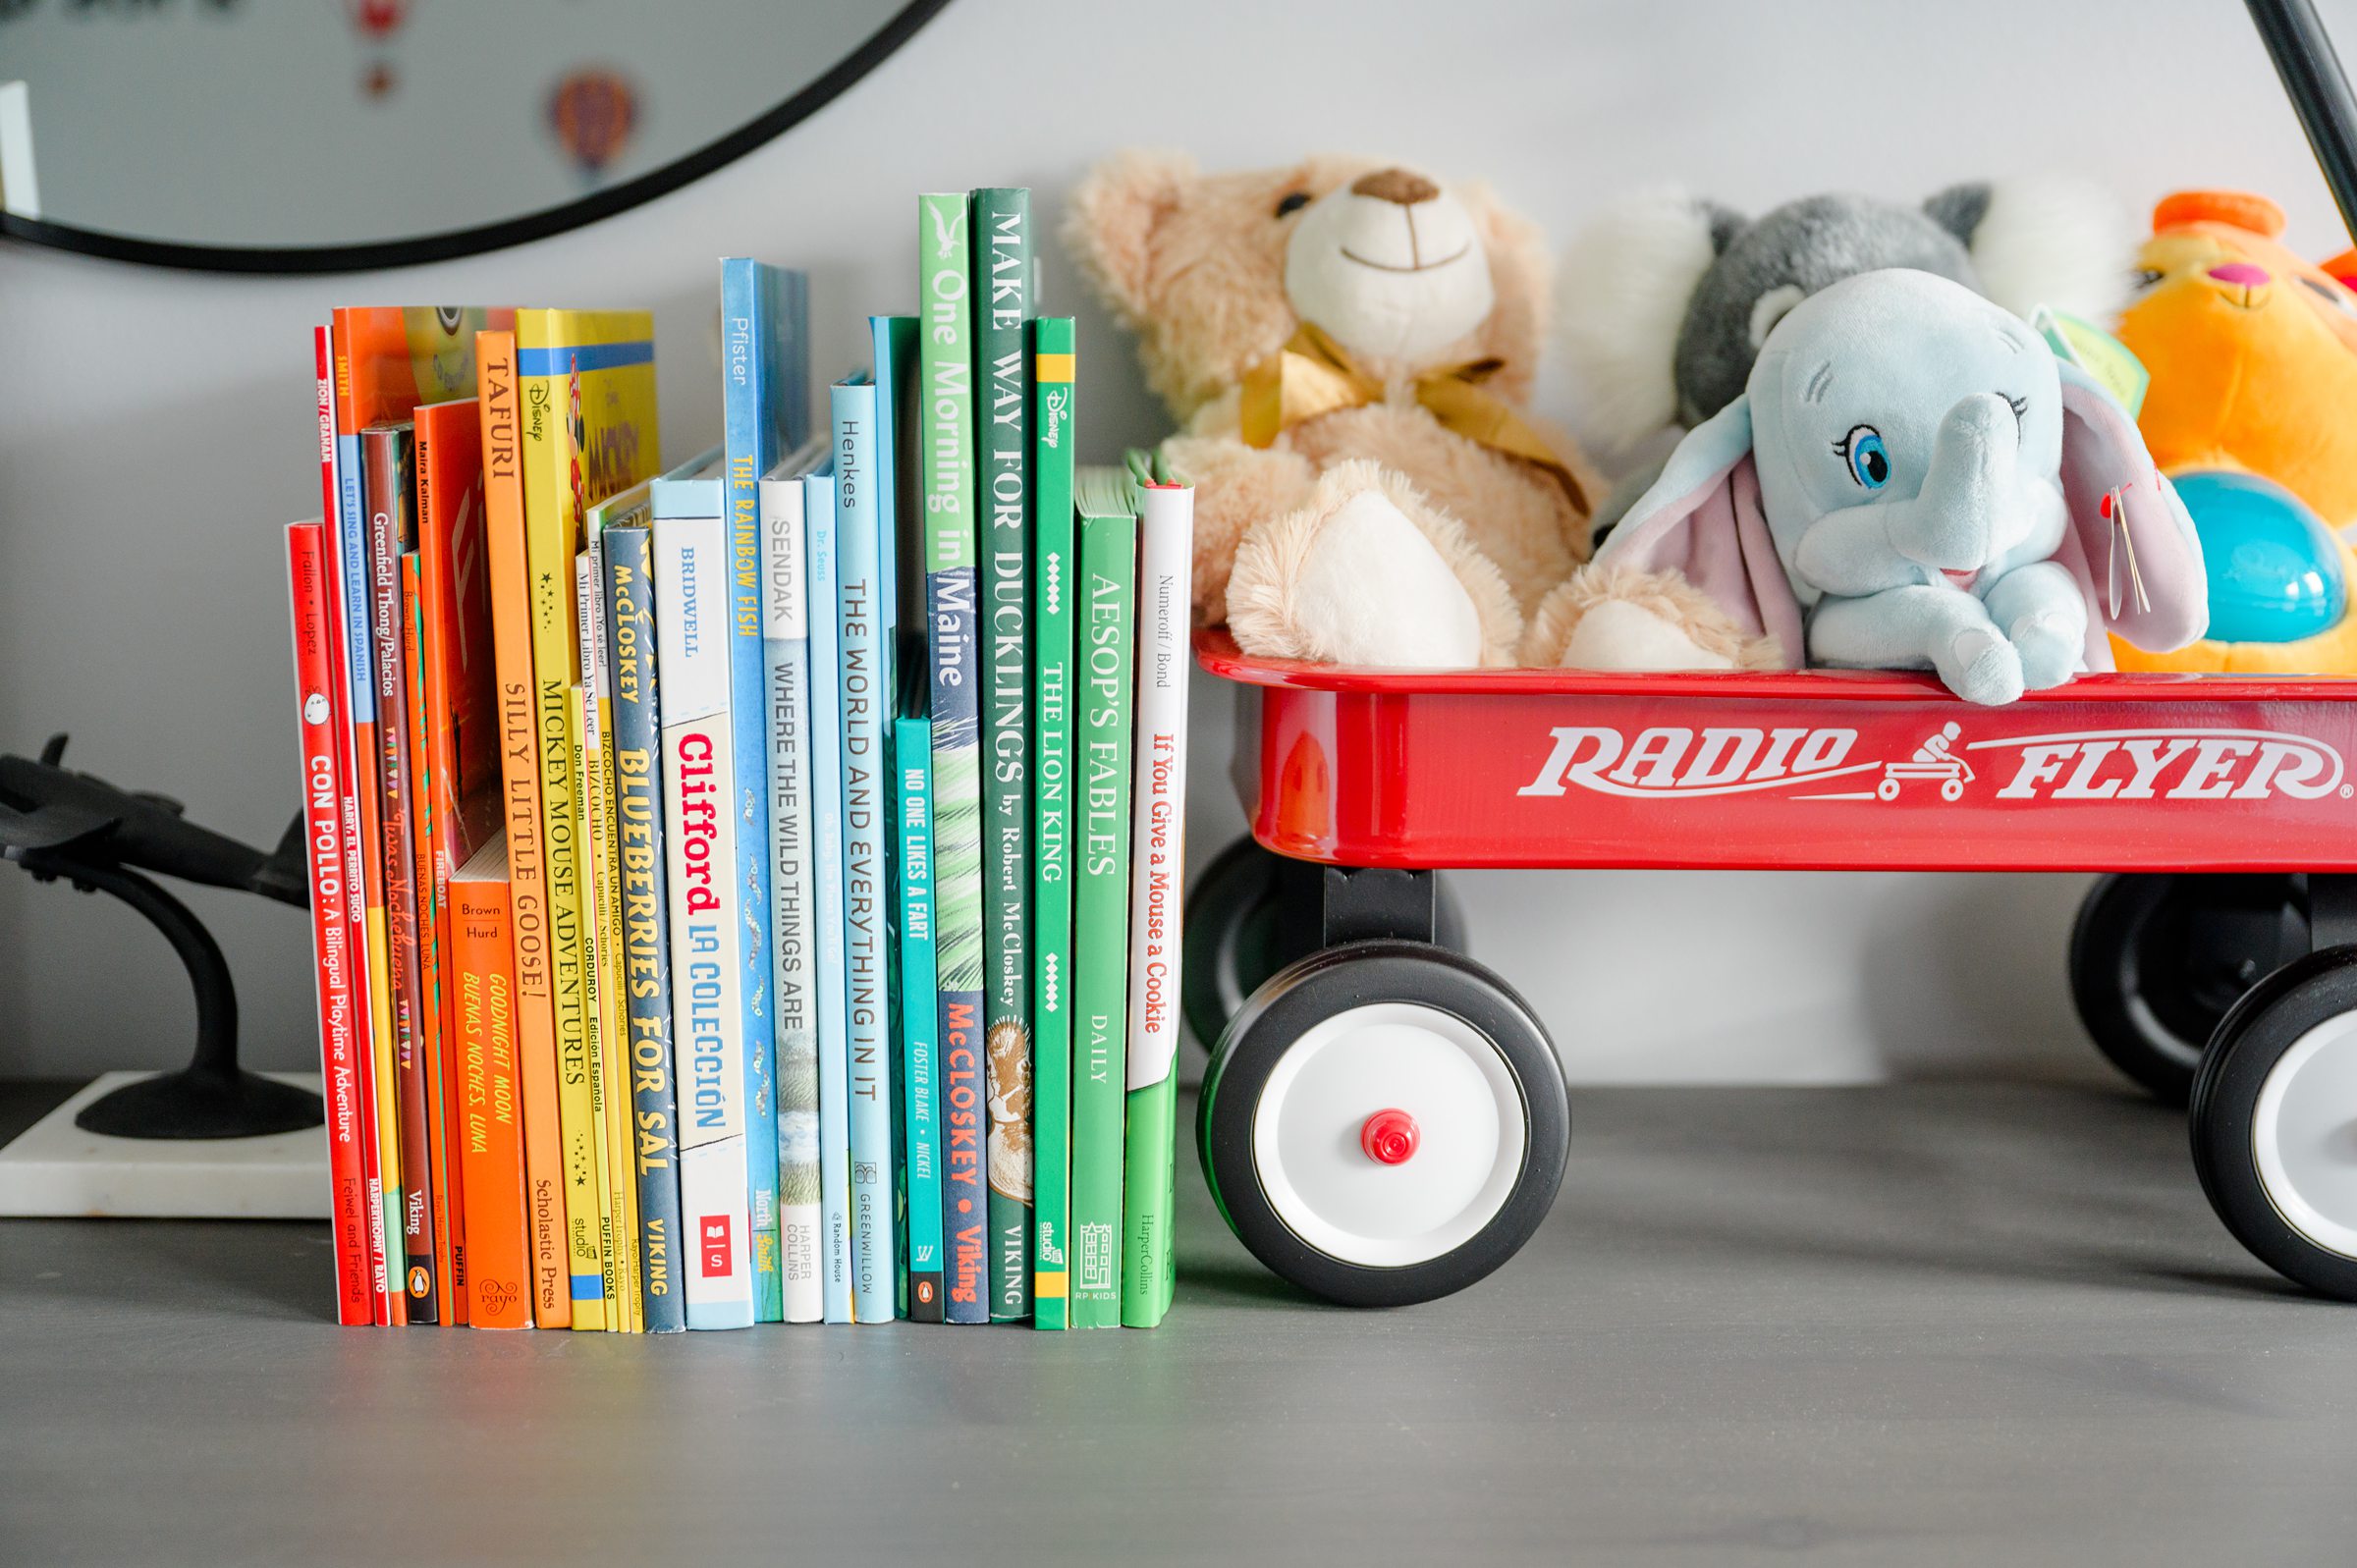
(1664, 300)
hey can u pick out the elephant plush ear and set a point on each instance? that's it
(1703, 520)
(2131, 542)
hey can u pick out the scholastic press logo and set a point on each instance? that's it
(712, 1245)
(1665, 761)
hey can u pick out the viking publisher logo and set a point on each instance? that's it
(712, 1245)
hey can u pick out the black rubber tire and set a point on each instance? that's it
(1232, 938)
(1304, 995)
(2156, 961)
(2265, 1024)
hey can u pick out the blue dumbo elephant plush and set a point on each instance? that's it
(1911, 479)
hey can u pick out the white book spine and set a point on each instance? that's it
(691, 640)
(1158, 801)
(826, 799)
(792, 899)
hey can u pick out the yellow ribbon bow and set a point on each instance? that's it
(1312, 374)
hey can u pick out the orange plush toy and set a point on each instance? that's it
(2253, 355)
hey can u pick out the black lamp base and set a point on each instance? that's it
(202, 1102)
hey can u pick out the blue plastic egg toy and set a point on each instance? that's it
(2275, 568)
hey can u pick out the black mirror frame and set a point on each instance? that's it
(371, 256)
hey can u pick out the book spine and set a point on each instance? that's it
(1054, 566)
(835, 1260)
(350, 780)
(491, 1158)
(792, 894)
(331, 926)
(867, 1023)
(579, 720)
(366, 852)
(749, 312)
(597, 685)
(441, 1094)
(1101, 913)
(392, 533)
(645, 920)
(1157, 846)
(945, 368)
(920, 1067)
(527, 870)
(691, 619)
(1002, 262)
(550, 517)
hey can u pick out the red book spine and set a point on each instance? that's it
(347, 819)
(331, 928)
(449, 1250)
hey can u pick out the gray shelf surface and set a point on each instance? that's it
(1951, 1323)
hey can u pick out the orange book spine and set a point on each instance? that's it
(491, 1157)
(527, 867)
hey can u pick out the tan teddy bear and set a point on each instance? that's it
(1347, 347)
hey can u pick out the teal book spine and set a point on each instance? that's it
(1101, 901)
(858, 589)
(1002, 269)
(765, 410)
(953, 672)
(826, 802)
(1053, 569)
(912, 758)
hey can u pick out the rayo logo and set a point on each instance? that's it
(2169, 765)
(1669, 760)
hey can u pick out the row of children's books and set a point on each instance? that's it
(745, 890)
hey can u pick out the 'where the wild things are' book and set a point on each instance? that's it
(945, 485)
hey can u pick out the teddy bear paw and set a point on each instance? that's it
(1354, 578)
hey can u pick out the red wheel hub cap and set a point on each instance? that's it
(1389, 1137)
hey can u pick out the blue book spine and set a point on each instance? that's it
(920, 1042)
(764, 390)
(629, 569)
(826, 802)
(866, 703)
(793, 905)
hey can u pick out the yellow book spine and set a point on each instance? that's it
(608, 1072)
(584, 811)
(588, 388)
(388, 1102)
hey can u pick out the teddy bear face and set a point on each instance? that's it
(1216, 272)
(2252, 350)
(1391, 266)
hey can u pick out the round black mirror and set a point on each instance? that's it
(260, 136)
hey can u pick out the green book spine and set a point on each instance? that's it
(1053, 564)
(1100, 898)
(946, 429)
(1166, 543)
(1002, 271)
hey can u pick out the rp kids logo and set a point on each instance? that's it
(1671, 761)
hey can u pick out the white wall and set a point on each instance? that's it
(156, 429)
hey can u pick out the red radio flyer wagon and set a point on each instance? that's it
(1384, 1119)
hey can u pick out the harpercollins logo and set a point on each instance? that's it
(712, 1244)
(2140, 764)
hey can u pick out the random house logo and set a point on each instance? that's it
(2143, 764)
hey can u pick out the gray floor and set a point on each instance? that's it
(1935, 1325)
